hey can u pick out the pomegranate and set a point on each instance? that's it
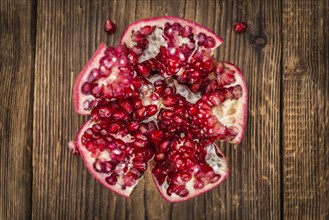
(159, 99)
(240, 27)
(109, 27)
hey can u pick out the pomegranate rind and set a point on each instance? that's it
(244, 101)
(175, 198)
(88, 160)
(155, 21)
(78, 97)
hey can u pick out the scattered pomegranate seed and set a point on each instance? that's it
(109, 27)
(73, 147)
(240, 27)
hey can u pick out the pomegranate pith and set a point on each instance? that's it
(160, 98)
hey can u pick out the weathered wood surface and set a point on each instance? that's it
(305, 110)
(279, 171)
(17, 45)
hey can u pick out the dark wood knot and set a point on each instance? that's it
(258, 40)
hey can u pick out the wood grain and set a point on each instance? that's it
(16, 89)
(306, 109)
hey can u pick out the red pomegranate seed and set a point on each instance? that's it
(126, 105)
(86, 88)
(104, 112)
(112, 180)
(73, 147)
(140, 113)
(93, 75)
(147, 30)
(133, 126)
(210, 42)
(201, 39)
(169, 100)
(156, 136)
(118, 114)
(104, 72)
(151, 110)
(176, 28)
(143, 69)
(186, 31)
(109, 27)
(137, 36)
(240, 27)
(199, 184)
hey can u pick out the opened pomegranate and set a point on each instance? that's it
(160, 99)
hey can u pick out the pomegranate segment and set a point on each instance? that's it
(173, 46)
(188, 169)
(221, 112)
(108, 74)
(116, 157)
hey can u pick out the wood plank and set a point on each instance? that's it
(252, 190)
(306, 109)
(17, 36)
(68, 32)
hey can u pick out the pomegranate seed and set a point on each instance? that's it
(111, 180)
(143, 69)
(169, 91)
(201, 39)
(159, 157)
(130, 179)
(147, 30)
(113, 128)
(126, 106)
(140, 113)
(137, 50)
(183, 193)
(240, 27)
(186, 31)
(140, 143)
(104, 112)
(133, 58)
(137, 37)
(168, 32)
(98, 166)
(109, 27)
(169, 100)
(133, 126)
(73, 147)
(199, 184)
(156, 136)
(176, 28)
(136, 103)
(108, 167)
(104, 72)
(151, 110)
(210, 42)
(140, 166)
(93, 75)
(86, 88)
(164, 146)
(118, 114)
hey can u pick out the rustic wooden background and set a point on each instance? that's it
(281, 169)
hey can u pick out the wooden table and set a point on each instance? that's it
(279, 171)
